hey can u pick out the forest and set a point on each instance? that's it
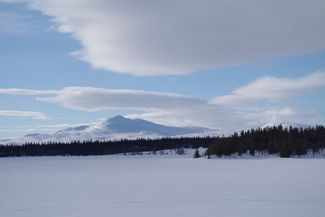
(285, 142)
(77, 148)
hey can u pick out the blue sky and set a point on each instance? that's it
(171, 69)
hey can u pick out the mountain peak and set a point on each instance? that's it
(118, 117)
(117, 127)
(116, 120)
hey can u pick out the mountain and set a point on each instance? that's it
(115, 128)
(287, 125)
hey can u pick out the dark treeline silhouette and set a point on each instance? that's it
(276, 140)
(77, 148)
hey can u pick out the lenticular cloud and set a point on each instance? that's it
(173, 37)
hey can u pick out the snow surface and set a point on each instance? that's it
(154, 186)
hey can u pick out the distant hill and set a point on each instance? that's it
(115, 128)
(287, 125)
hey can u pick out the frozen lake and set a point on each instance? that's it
(147, 186)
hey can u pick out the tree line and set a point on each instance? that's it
(78, 148)
(285, 142)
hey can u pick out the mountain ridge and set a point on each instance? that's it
(114, 128)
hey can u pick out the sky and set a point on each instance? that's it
(217, 64)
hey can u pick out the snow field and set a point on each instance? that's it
(157, 186)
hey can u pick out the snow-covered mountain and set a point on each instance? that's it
(287, 125)
(115, 128)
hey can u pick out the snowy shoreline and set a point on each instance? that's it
(188, 153)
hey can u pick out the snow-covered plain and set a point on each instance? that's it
(154, 186)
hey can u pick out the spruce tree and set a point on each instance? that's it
(196, 154)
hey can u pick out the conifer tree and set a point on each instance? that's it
(197, 154)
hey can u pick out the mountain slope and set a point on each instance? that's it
(115, 128)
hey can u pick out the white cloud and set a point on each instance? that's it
(170, 37)
(273, 88)
(18, 91)
(283, 111)
(276, 114)
(94, 99)
(27, 114)
(165, 108)
(182, 110)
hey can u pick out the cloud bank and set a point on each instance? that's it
(269, 88)
(172, 37)
(175, 109)
(165, 108)
(95, 99)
